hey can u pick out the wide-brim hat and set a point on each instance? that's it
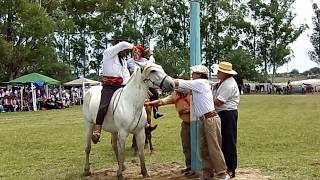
(226, 67)
(200, 69)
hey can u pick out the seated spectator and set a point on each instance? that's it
(26, 104)
(14, 103)
(58, 104)
(43, 100)
(49, 104)
(7, 103)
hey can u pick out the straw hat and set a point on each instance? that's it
(226, 67)
(200, 69)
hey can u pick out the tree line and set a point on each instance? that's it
(65, 39)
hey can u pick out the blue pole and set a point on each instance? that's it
(195, 58)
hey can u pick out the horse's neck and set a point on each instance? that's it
(135, 91)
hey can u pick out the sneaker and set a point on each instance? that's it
(185, 170)
(232, 174)
(157, 115)
(190, 173)
(223, 177)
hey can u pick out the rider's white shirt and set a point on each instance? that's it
(111, 62)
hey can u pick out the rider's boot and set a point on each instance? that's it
(96, 134)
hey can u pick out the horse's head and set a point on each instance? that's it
(155, 77)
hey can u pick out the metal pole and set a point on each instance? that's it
(195, 56)
(34, 97)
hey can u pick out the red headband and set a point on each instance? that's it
(141, 49)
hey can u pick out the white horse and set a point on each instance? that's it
(126, 113)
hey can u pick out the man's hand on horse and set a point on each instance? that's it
(152, 103)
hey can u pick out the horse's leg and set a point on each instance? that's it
(134, 146)
(114, 144)
(115, 147)
(89, 130)
(122, 135)
(140, 138)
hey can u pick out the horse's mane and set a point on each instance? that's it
(137, 69)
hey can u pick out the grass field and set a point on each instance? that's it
(277, 134)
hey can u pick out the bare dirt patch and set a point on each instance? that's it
(167, 171)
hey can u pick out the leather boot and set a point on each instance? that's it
(96, 134)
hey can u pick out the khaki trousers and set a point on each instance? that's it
(211, 153)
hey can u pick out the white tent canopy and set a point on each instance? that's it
(314, 82)
(80, 82)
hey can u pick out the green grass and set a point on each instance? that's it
(277, 134)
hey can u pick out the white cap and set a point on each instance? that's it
(200, 69)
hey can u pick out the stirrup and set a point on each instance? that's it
(95, 137)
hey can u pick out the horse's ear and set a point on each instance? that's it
(141, 65)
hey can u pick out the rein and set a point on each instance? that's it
(113, 111)
(121, 91)
(117, 101)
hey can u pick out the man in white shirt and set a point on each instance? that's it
(210, 135)
(115, 76)
(226, 101)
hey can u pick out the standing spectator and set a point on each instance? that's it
(1, 105)
(2, 93)
(210, 135)
(226, 101)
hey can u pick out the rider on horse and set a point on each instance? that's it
(115, 76)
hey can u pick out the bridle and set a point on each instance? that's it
(153, 83)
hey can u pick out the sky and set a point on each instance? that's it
(301, 60)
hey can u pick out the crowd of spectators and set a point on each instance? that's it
(11, 100)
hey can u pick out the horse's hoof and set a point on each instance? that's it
(86, 173)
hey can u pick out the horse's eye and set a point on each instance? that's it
(152, 71)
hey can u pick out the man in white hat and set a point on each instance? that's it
(210, 135)
(226, 101)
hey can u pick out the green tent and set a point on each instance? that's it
(34, 77)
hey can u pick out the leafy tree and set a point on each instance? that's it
(275, 31)
(27, 33)
(244, 64)
(175, 61)
(294, 72)
(312, 71)
(315, 37)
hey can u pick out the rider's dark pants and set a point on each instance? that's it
(106, 95)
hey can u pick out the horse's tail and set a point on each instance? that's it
(86, 103)
(87, 98)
